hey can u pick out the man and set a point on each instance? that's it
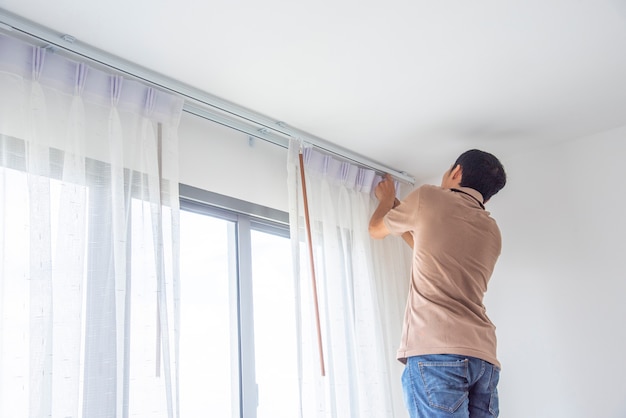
(448, 342)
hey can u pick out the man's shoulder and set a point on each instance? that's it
(424, 187)
(423, 192)
(430, 188)
(426, 190)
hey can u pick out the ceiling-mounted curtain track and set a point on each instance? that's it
(197, 102)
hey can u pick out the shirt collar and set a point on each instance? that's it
(472, 192)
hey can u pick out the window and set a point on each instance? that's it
(238, 328)
(237, 346)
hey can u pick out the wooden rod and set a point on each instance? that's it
(307, 222)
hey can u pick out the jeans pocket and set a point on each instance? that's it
(494, 401)
(445, 383)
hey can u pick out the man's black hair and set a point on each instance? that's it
(482, 172)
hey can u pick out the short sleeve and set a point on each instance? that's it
(403, 217)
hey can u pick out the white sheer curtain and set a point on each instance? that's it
(89, 226)
(362, 286)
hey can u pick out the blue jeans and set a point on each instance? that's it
(446, 385)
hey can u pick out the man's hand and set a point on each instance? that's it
(385, 192)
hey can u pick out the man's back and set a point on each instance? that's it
(456, 245)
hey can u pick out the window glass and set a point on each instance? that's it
(274, 326)
(208, 359)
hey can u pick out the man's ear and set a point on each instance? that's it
(457, 173)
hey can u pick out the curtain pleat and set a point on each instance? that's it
(40, 237)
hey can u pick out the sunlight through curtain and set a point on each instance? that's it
(89, 240)
(362, 286)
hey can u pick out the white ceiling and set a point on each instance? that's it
(409, 84)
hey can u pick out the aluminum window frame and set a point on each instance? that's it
(247, 217)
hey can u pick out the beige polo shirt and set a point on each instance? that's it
(456, 245)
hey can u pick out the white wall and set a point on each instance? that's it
(558, 292)
(557, 295)
(221, 160)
